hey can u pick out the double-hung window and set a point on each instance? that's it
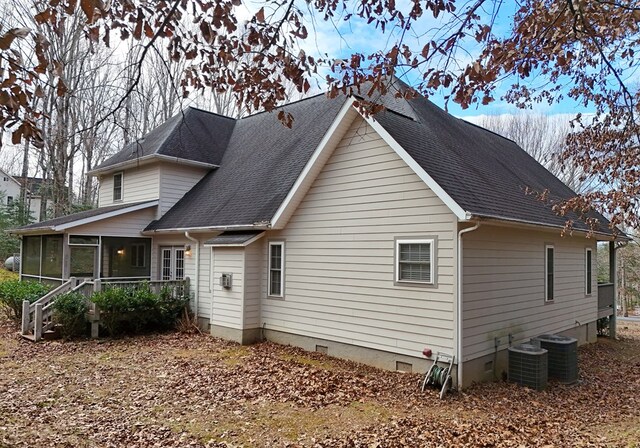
(117, 186)
(415, 261)
(276, 268)
(549, 270)
(588, 262)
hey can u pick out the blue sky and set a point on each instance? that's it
(338, 38)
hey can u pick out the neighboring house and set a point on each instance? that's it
(365, 237)
(10, 186)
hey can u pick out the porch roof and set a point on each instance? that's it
(239, 238)
(88, 216)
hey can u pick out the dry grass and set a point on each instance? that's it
(194, 390)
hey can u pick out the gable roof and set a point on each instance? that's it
(261, 164)
(85, 217)
(193, 135)
(477, 173)
(486, 174)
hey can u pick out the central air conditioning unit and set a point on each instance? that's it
(528, 366)
(563, 356)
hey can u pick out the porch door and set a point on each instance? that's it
(172, 263)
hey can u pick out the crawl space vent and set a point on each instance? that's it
(528, 366)
(563, 357)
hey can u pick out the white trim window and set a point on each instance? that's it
(415, 261)
(588, 271)
(276, 268)
(549, 272)
(118, 179)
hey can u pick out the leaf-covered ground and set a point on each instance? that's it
(193, 390)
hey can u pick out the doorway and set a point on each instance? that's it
(172, 263)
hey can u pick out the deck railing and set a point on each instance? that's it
(606, 299)
(37, 316)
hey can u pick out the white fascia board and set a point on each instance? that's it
(107, 215)
(148, 159)
(289, 200)
(460, 213)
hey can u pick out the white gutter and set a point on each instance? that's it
(459, 304)
(196, 295)
(138, 161)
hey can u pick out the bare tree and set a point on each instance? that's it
(543, 137)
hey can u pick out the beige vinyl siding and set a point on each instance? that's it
(139, 184)
(129, 224)
(159, 241)
(175, 181)
(227, 303)
(504, 287)
(254, 260)
(340, 248)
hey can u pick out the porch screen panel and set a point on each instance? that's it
(31, 255)
(124, 257)
(179, 264)
(82, 261)
(52, 256)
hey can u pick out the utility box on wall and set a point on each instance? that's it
(226, 280)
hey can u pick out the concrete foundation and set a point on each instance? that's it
(244, 337)
(372, 357)
(492, 367)
(495, 366)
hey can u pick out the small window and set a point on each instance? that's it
(137, 255)
(5, 178)
(414, 261)
(588, 271)
(117, 187)
(549, 263)
(9, 200)
(276, 268)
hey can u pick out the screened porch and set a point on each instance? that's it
(53, 258)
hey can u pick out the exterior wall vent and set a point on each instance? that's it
(563, 357)
(528, 366)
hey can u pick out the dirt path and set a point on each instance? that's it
(193, 390)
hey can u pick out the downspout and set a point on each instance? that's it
(459, 304)
(196, 295)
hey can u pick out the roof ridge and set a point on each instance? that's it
(199, 109)
(284, 105)
(487, 130)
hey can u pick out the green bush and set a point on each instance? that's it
(14, 292)
(70, 310)
(137, 310)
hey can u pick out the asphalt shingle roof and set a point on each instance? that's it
(261, 164)
(45, 225)
(484, 173)
(193, 134)
(233, 237)
(260, 160)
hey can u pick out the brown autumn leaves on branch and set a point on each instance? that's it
(553, 51)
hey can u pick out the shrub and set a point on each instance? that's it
(70, 310)
(14, 292)
(136, 310)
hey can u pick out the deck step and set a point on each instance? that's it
(31, 337)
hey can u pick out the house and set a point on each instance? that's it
(10, 187)
(367, 238)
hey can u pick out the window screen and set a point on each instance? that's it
(414, 261)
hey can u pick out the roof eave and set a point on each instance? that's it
(148, 159)
(511, 222)
(208, 229)
(83, 221)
